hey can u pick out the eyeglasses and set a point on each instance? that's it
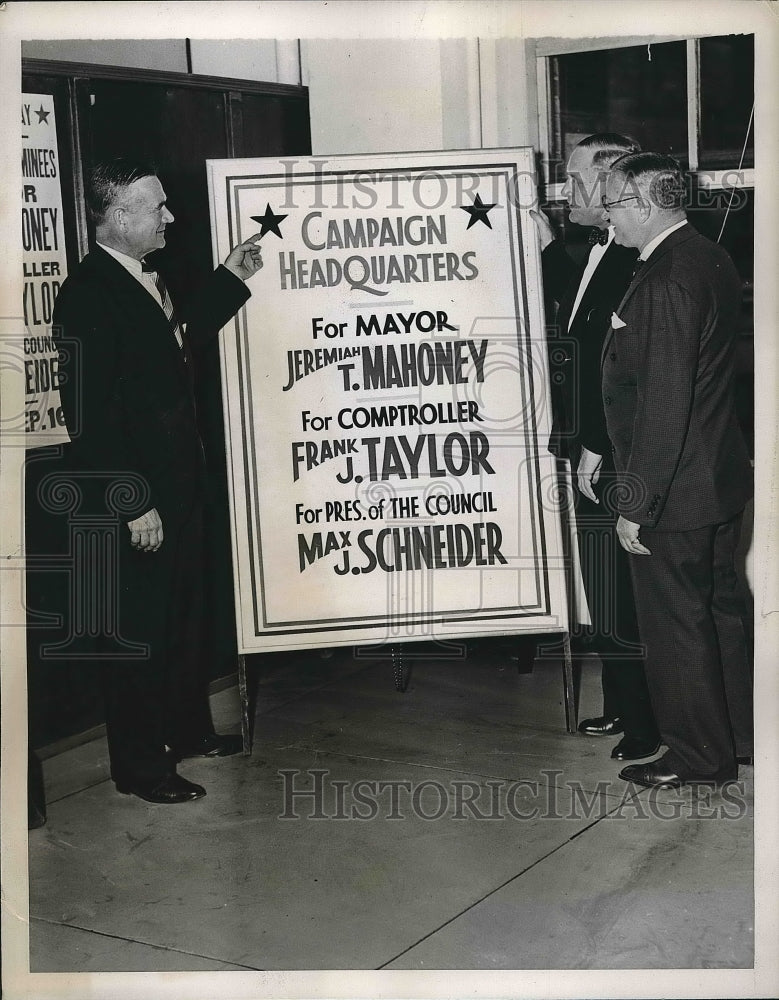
(610, 204)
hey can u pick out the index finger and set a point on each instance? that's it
(252, 239)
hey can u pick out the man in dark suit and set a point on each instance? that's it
(668, 392)
(587, 295)
(128, 398)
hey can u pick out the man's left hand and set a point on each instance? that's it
(245, 259)
(627, 532)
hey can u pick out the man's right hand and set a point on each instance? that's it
(545, 228)
(588, 473)
(146, 531)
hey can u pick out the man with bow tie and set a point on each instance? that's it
(128, 397)
(668, 391)
(587, 295)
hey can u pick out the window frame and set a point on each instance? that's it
(547, 48)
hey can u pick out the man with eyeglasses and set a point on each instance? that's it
(668, 393)
(587, 295)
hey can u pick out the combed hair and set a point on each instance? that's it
(106, 182)
(608, 146)
(667, 187)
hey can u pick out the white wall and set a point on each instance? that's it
(267, 59)
(373, 95)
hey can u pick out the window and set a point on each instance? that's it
(727, 93)
(640, 90)
(691, 98)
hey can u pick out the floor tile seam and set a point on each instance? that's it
(77, 791)
(507, 882)
(145, 944)
(475, 903)
(432, 767)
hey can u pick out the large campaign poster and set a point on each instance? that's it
(386, 401)
(45, 268)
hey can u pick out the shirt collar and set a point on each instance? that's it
(130, 263)
(655, 243)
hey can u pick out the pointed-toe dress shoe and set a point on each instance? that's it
(601, 726)
(211, 745)
(654, 774)
(634, 748)
(169, 790)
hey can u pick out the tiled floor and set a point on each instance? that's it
(454, 826)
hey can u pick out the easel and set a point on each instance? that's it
(400, 676)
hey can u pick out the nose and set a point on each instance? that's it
(167, 215)
(566, 192)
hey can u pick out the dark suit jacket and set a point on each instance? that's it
(579, 417)
(668, 388)
(128, 390)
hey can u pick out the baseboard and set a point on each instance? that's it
(98, 732)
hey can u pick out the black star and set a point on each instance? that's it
(43, 116)
(478, 212)
(269, 222)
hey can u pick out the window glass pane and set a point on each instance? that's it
(640, 90)
(727, 66)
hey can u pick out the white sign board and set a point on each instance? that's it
(386, 401)
(45, 268)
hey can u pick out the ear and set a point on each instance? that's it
(644, 210)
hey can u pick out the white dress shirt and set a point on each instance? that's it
(133, 267)
(596, 253)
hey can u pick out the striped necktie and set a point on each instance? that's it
(167, 303)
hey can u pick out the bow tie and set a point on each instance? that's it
(598, 236)
(148, 268)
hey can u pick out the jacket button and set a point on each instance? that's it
(613, 355)
(607, 400)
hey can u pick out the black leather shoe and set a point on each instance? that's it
(656, 774)
(212, 745)
(633, 748)
(652, 775)
(601, 726)
(169, 790)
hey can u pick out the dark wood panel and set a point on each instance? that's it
(96, 71)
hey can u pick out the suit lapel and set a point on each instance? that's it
(139, 307)
(668, 244)
(610, 266)
(602, 275)
(675, 239)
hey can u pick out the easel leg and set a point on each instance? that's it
(569, 692)
(243, 691)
